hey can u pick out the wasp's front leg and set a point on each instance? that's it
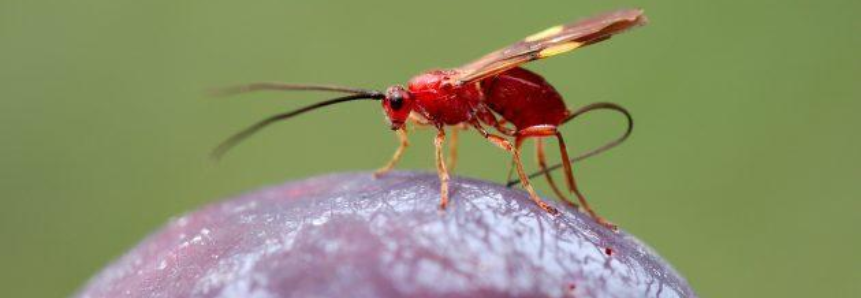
(402, 136)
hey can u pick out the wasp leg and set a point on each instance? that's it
(572, 184)
(402, 135)
(549, 130)
(484, 115)
(512, 165)
(440, 168)
(515, 152)
(541, 159)
(582, 111)
(452, 148)
(500, 126)
(419, 121)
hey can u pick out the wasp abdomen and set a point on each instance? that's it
(524, 98)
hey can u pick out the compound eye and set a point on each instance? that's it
(396, 103)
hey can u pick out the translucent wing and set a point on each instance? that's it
(551, 42)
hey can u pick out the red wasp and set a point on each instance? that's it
(477, 95)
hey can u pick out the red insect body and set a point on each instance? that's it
(475, 94)
(521, 97)
(441, 102)
(524, 98)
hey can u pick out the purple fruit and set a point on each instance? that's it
(350, 235)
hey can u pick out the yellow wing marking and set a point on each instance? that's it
(545, 34)
(559, 49)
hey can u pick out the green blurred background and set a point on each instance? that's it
(743, 170)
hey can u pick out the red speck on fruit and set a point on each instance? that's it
(608, 251)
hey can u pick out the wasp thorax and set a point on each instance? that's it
(397, 104)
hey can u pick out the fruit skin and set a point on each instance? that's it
(350, 235)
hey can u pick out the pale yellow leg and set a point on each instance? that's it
(441, 170)
(524, 180)
(572, 185)
(452, 148)
(402, 135)
(541, 159)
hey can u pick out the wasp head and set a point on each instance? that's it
(398, 104)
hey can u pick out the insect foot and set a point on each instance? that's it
(550, 209)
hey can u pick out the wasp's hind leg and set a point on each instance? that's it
(550, 130)
(541, 159)
(572, 184)
(515, 152)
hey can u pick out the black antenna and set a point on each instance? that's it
(274, 86)
(245, 133)
(596, 151)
